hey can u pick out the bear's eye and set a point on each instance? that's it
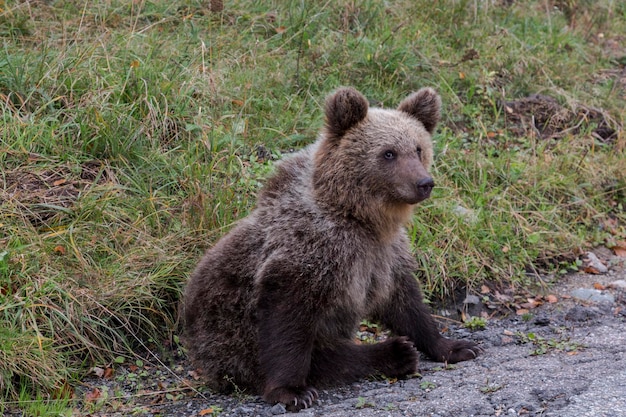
(419, 151)
(390, 154)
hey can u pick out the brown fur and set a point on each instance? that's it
(274, 305)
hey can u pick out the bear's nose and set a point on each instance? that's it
(426, 184)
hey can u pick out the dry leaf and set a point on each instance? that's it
(59, 182)
(591, 270)
(99, 372)
(484, 289)
(505, 249)
(599, 286)
(280, 29)
(237, 102)
(59, 249)
(108, 373)
(552, 298)
(620, 249)
(461, 75)
(522, 311)
(508, 333)
(93, 395)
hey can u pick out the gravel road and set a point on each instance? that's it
(565, 359)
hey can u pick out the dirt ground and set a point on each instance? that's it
(564, 357)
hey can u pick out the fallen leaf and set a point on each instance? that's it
(59, 182)
(552, 298)
(134, 64)
(195, 375)
(280, 29)
(133, 368)
(619, 249)
(206, 411)
(591, 270)
(508, 333)
(522, 311)
(599, 286)
(237, 102)
(505, 249)
(461, 75)
(484, 289)
(99, 372)
(60, 249)
(108, 373)
(93, 395)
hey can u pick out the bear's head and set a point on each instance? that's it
(373, 163)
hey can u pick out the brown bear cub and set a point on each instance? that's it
(274, 306)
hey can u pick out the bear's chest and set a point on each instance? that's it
(370, 282)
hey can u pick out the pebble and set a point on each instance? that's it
(596, 264)
(593, 295)
(620, 283)
(278, 409)
(471, 299)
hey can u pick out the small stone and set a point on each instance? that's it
(471, 299)
(466, 214)
(619, 284)
(596, 264)
(542, 321)
(278, 409)
(579, 313)
(593, 295)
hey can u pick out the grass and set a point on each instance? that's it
(133, 135)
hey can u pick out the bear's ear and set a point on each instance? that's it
(344, 108)
(425, 106)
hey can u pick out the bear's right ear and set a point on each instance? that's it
(344, 108)
(425, 106)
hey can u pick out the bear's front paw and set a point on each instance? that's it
(453, 351)
(294, 398)
(401, 357)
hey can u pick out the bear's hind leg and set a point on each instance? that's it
(349, 362)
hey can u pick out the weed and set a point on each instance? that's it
(427, 385)
(476, 323)
(543, 345)
(361, 402)
(490, 388)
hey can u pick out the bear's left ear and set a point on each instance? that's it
(344, 108)
(425, 106)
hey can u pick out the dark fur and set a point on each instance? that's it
(273, 307)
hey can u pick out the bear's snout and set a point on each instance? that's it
(424, 187)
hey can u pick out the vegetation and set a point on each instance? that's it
(133, 135)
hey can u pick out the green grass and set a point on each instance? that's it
(133, 135)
